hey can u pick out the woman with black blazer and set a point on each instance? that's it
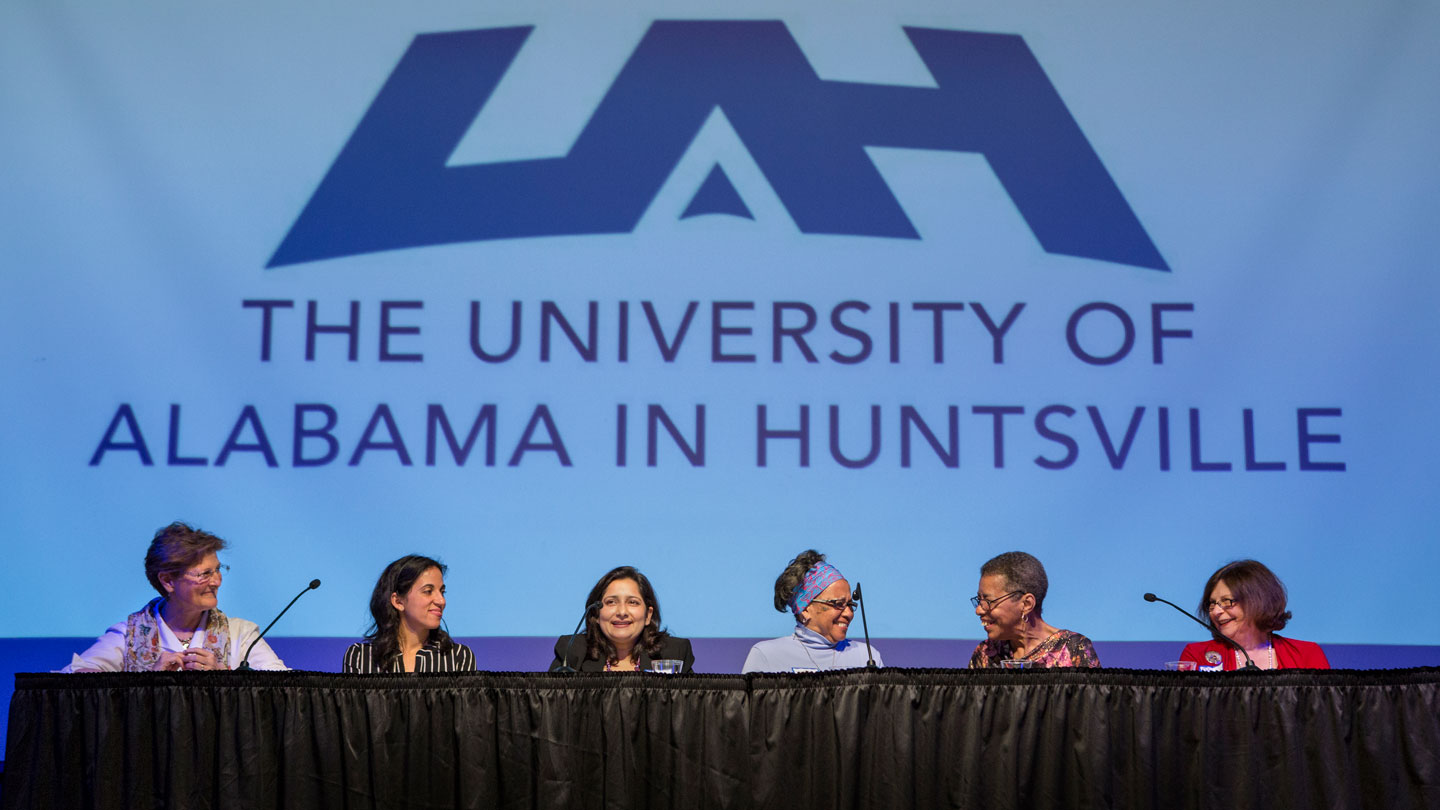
(623, 633)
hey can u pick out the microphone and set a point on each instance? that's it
(565, 660)
(245, 662)
(1150, 597)
(864, 625)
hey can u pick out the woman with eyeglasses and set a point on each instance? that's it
(1245, 602)
(816, 594)
(622, 630)
(182, 629)
(407, 606)
(1009, 602)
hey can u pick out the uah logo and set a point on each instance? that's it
(390, 186)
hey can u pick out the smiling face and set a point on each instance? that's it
(623, 614)
(1229, 621)
(1001, 609)
(197, 587)
(825, 619)
(423, 606)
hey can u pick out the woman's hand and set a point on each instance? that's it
(169, 661)
(199, 658)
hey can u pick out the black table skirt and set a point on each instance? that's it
(892, 738)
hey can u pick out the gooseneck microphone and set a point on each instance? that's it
(565, 660)
(245, 662)
(864, 625)
(1150, 597)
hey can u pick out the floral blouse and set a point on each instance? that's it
(1065, 648)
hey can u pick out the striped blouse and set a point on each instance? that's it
(360, 658)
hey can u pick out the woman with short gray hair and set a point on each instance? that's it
(183, 628)
(1010, 598)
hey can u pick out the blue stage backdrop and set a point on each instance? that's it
(541, 288)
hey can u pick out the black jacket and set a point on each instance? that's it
(673, 647)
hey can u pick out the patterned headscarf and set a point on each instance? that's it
(820, 576)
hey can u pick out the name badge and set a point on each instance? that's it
(1216, 663)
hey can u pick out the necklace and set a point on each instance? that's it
(615, 665)
(1270, 648)
(188, 639)
(1016, 649)
(834, 653)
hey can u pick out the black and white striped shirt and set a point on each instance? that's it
(360, 658)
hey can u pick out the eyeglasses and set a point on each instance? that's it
(841, 605)
(202, 577)
(977, 600)
(1224, 603)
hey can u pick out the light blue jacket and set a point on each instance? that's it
(806, 650)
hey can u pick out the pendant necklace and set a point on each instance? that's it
(834, 653)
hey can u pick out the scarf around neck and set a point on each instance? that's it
(142, 637)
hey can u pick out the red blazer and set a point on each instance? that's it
(1289, 654)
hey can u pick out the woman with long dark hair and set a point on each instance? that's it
(407, 607)
(622, 629)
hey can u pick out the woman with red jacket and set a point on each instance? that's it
(1245, 602)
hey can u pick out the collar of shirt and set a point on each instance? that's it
(815, 641)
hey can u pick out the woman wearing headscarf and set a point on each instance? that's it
(818, 596)
(1245, 602)
(183, 628)
(1008, 603)
(406, 609)
(622, 629)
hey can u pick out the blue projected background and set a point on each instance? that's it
(1139, 289)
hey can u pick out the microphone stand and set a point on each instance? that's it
(245, 662)
(565, 660)
(1150, 597)
(864, 625)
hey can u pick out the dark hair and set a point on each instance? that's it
(175, 548)
(793, 577)
(384, 634)
(1254, 586)
(598, 646)
(1022, 572)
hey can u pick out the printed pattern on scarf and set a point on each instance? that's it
(142, 637)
